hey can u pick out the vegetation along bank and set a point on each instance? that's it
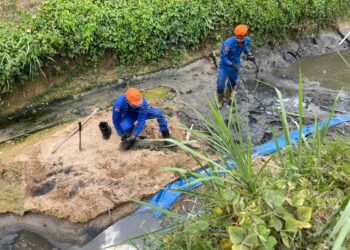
(143, 31)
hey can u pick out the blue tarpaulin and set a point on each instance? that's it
(165, 198)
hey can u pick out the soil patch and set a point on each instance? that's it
(80, 185)
(11, 188)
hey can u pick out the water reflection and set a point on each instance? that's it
(30, 241)
(330, 70)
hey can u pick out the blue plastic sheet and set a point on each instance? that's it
(270, 147)
(165, 198)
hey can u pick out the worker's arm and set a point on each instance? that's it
(246, 44)
(116, 115)
(250, 56)
(141, 120)
(247, 51)
(224, 54)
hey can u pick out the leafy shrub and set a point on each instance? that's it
(144, 31)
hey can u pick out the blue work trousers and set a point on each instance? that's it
(223, 74)
(127, 121)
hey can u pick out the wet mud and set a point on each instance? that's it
(194, 85)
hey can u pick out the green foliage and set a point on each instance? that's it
(144, 31)
(300, 205)
(341, 230)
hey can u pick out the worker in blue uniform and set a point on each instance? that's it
(130, 112)
(230, 54)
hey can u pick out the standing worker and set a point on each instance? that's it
(230, 54)
(131, 107)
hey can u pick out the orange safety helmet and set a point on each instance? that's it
(240, 30)
(133, 96)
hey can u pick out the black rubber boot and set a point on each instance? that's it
(165, 134)
(106, 130)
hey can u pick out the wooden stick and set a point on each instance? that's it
(74, 131)
(80, 128)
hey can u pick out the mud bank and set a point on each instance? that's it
(193, 84)
(70, 196)
(80, 185)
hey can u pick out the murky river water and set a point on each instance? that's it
(30, 241)
(330, 70)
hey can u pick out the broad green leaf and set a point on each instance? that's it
(249, 228)
(228, 195)
(276, 223)
(202, 225)
(271, 242)
(257, 220)
(273, 198)
(304, 213)
(293, 225)
(299, 199)
(282, 212)
(240, 247)
(297, 202)
(236, 234)
(269, 245)
(263, 231)
(197, 226)
(251, 239)
(285, 239)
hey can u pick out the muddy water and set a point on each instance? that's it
(24, 240)
(330, 70)
(30, 241)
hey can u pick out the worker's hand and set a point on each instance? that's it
(235, 67)
(128, 143)
(124, 137)
(132, 139)
(251, 57)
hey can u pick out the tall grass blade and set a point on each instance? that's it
(344, 232)
(166, 212)
(325, 126)
(300, 127)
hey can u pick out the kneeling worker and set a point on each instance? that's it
(131, 107)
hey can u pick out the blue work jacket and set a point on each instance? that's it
(231, 52)
(122, 108)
